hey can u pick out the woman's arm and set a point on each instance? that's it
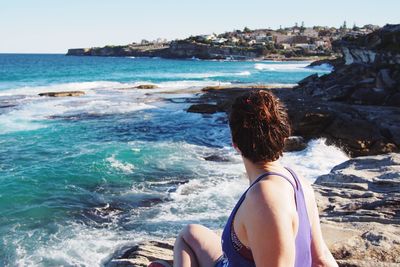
(321, 256)
(268, 224)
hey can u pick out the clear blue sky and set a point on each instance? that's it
(53, 26)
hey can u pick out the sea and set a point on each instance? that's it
(82, 177)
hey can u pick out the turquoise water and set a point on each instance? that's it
(82, 176)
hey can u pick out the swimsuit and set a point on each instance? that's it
(238, 255)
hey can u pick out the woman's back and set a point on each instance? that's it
(291, 216)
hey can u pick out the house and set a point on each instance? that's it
(320, 43)
(264, 38)
(281, 38)
(234, 40)
(306, 46)
(285, 46)
(310, 32)
(219, 40)
(206, 37)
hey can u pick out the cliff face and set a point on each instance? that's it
(202, 51)
(176, 49)
(379, 48)
(119, 51)
(369, 75)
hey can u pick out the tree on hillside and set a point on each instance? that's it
(246, 30)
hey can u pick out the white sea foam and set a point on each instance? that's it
(317, 159)
(283, 67)
(87, 87)
(194, 75)
(74, 245)
(209, 197)
(116, 164)
(32, 113)
(323, 67)
(101, 97)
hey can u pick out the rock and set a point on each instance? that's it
(312, 123)
(203, 108)
(368, 96)
(394, 100)
(384, 80)
(308, 79)
(146, 86)
(216, 158)
(142, 254)
(295, 143)
(359, 205)
(63, 94)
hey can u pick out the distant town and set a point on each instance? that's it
(290, 42)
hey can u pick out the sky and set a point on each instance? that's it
(53, 26)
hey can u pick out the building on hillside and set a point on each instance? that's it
(306, 46)
(281, 38)
(264, 38)
(206, 37)
(219, 40)
(234, 40)
(285, 46)
(310, 32)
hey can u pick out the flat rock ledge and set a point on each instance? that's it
(62, 94)
(359, 206)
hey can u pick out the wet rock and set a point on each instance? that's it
(62, 94)
(142, 254)
(394, 100)
(204, 108)
(308, 79)
(7, 105)
(216, 158)
(295, 143)
(146, 86)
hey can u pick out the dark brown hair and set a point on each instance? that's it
(259, 126)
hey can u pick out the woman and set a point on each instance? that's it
(275, 222)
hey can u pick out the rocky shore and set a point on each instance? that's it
(358, 129)
(368, 74)
(359, 206)
(355, 107)
(175, 49)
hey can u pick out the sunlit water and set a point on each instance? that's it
(82, 176)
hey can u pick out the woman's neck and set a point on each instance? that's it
(255, 170)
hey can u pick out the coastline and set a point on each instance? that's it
(122, 111)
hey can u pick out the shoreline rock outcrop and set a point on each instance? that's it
(359, 206)
(368, 74)
(176, 49)
(361, 197)
(62, 94)
(359, 130)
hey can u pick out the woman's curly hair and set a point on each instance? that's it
(259, 126)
